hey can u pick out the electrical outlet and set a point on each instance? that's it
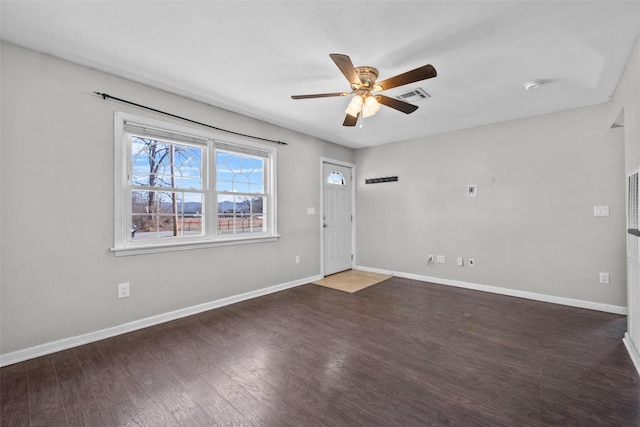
(604, 278)
(471, 262)
(430, 259)
(460, 261)
(123, 290)
(440, 259)
(297, 259)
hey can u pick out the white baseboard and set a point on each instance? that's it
(504, 291)
(632, 350)
(66, 343)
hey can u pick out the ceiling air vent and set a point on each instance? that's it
(413, 96)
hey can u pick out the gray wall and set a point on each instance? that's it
(58, 277)
(530, 229)
(626, 103)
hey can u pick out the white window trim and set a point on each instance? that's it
(122, 206)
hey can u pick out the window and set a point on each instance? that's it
(182, 188)
(167, 189)
(240, 189)
(336, 178)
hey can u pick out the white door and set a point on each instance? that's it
(337, 218)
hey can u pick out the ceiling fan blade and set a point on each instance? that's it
(405, 107)
(320, 95)
(421, 73)
(349, 120)
(346, 66)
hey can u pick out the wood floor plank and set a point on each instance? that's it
(45, 398)
(243, 401)
(77, 397)
(181, 405)
(148, 406)
(105, 381)
(213, 403)
(121, 414)
(14, 395)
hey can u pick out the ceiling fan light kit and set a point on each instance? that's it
(367, 106)
(370, 107)
(362, 81)
(354, 107)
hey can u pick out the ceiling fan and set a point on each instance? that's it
(363, 83)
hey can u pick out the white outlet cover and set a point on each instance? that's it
(441, 259)
(601, 210)
(123, 290)
(604, 278)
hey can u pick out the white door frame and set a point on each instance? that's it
(351, 166)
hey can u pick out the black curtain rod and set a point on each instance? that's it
(105, 96)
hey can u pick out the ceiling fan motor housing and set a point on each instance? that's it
(368, 76)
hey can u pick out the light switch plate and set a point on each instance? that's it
(601, 210)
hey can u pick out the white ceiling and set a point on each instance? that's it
(251, 56)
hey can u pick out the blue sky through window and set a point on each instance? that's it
(239, 174)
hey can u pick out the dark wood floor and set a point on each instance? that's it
(399, 353)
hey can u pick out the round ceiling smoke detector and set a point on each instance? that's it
(532, 85)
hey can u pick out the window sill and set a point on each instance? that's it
(186, 246)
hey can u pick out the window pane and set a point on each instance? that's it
(239, 173)
(240, 214)
(144, 226)
(256, 180)
(162, 226)
(336, 178)
(241, 187)
(240, 223)
(143, 201)
(152, 165)
(225, 175)
(188, 183)
(156, 215)
(193, 204)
